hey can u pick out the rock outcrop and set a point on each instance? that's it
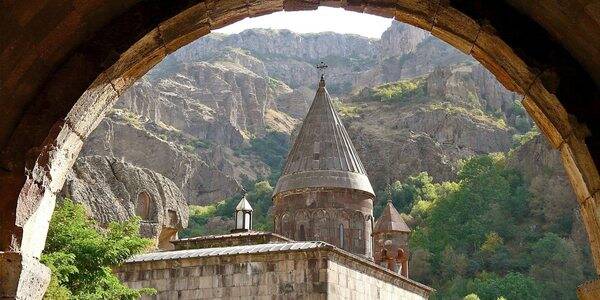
(197, 116)
(113, 190)
(400, 39)
(432, 131)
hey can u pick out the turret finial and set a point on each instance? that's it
(321, 67)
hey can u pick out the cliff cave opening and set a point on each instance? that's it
(144, 207)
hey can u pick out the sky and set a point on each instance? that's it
(323, 19)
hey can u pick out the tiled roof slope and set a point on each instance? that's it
(390, 220)
(323, 154)
(220, 251)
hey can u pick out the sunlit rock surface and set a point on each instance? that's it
(113, 190)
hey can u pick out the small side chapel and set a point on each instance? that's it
(325, 242)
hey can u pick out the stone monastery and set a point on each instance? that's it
(325, 245)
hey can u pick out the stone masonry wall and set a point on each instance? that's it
(341, 217)
(264, 276)
(310, 274)
(344, 282)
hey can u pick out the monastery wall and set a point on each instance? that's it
(262, 275)
(310, 274)
(344, 282)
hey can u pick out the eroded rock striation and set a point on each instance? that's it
(203, 116)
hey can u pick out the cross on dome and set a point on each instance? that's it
(321, 67)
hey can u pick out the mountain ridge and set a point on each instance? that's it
(214, 97)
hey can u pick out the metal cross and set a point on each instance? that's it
(321, 67)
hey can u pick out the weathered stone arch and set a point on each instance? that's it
(145, 207)
(302, 232)
(320, 227)
(302, 215)
(58, 86)
(287, 225)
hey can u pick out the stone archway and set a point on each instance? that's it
(63, 79)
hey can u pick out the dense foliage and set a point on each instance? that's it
(259, 196)
(80, 255)
(481, 235)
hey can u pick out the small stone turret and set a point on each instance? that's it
(324, 193)
(243, 216)
(390, 240)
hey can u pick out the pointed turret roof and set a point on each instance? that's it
(323, 154)
(243, 205)
(390, 221)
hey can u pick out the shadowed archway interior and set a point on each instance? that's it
(65, 63)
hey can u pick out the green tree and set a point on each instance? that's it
(199, 217)
(416, 188)
(557, 265)
(489, 198)
(80, 255)
(258, 194)
(272, 149)
(512, 286)
(471, 297)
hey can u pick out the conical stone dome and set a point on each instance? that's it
(323, 155)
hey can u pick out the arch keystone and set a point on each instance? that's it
(509, 69)
(185, 27)
(136, 61)
(298, 5)
(456, 29)
(417, 13)
(224, 12)
(258, 8)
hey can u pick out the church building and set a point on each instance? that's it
(324, 193)
(325, 244)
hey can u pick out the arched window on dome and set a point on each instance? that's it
(301, 233)
(341, 234)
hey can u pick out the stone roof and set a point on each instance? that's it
(323, 154)
(219, 251)
(227, 240)
(390, 221)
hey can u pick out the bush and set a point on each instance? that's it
(512, 286)
(401, 91)
(80, 255)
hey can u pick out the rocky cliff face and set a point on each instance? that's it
(400, 40)
(113, 190)
(432, 131)
(199, 116)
